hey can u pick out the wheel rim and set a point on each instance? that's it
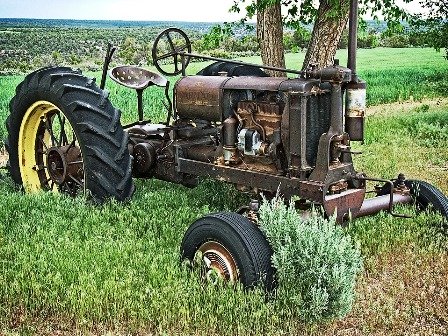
(217, 263)
(49, 154)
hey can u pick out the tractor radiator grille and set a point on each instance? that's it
(318, 119)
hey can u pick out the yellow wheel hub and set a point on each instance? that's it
(47, 159)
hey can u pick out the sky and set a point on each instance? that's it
(141, 10)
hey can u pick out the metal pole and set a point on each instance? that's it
(374, 205)
(110, 51)
(353, 38)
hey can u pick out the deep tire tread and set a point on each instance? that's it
(246, 241)
(103, 142)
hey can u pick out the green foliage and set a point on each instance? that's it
(226, 40)
(297, 40)
(316, 261)
(81, 46)
(216, 36)
(432, 27)
(430, 129)
(395, 41)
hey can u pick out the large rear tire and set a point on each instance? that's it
(64, 135)
(231, 248)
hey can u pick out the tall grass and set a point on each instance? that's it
(117, 266)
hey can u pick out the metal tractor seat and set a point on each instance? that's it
(137, 78)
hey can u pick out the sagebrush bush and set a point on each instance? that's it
(317, 262)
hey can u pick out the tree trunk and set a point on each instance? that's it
(327, 32)
(270, 37)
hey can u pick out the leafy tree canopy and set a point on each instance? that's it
(432, 24)
(299, 12)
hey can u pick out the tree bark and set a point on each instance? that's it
(327, 32)
(270, 37)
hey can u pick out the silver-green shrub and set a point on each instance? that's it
(317, 262)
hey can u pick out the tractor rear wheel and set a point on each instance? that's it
(64, 135)
(229, 247)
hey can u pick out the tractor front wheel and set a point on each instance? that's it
(229, 247)
(64, 135)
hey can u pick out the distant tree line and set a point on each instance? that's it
(25, 48)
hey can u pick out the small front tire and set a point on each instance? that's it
(231, 248)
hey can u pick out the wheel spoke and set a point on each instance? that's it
(41, 139)
(76, 180)
(176, 66)
(170, 41)
(49, 128)
(164, 56)
(63, 136)
(71, 191)
(74, 162)
(182, 47)
(71, 144)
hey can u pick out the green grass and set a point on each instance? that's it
(67, 265)
(393, 74)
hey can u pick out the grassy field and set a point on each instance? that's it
(68, 267)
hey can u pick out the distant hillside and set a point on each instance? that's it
(62, 23)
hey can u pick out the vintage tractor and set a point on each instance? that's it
(231, 122)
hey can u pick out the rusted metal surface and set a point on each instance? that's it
(355, 109)
(144, 157)
(345, 204)
(65, 164)
(262, 181)
(374, 205)
(217, 262)
(255, 83)
(229, 127)
(352, 38)
(312, 190)
(199, 97)
(332, 74)
(266, 117)
(204, 153)
(337, 118)
(402, 190)
(134, 77)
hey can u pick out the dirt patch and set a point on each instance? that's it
(404, 292)
(396, 108)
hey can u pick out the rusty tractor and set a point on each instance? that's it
(231, 122)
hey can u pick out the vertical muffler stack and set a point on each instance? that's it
(355, 110)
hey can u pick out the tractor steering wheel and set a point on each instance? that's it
(170, 44)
